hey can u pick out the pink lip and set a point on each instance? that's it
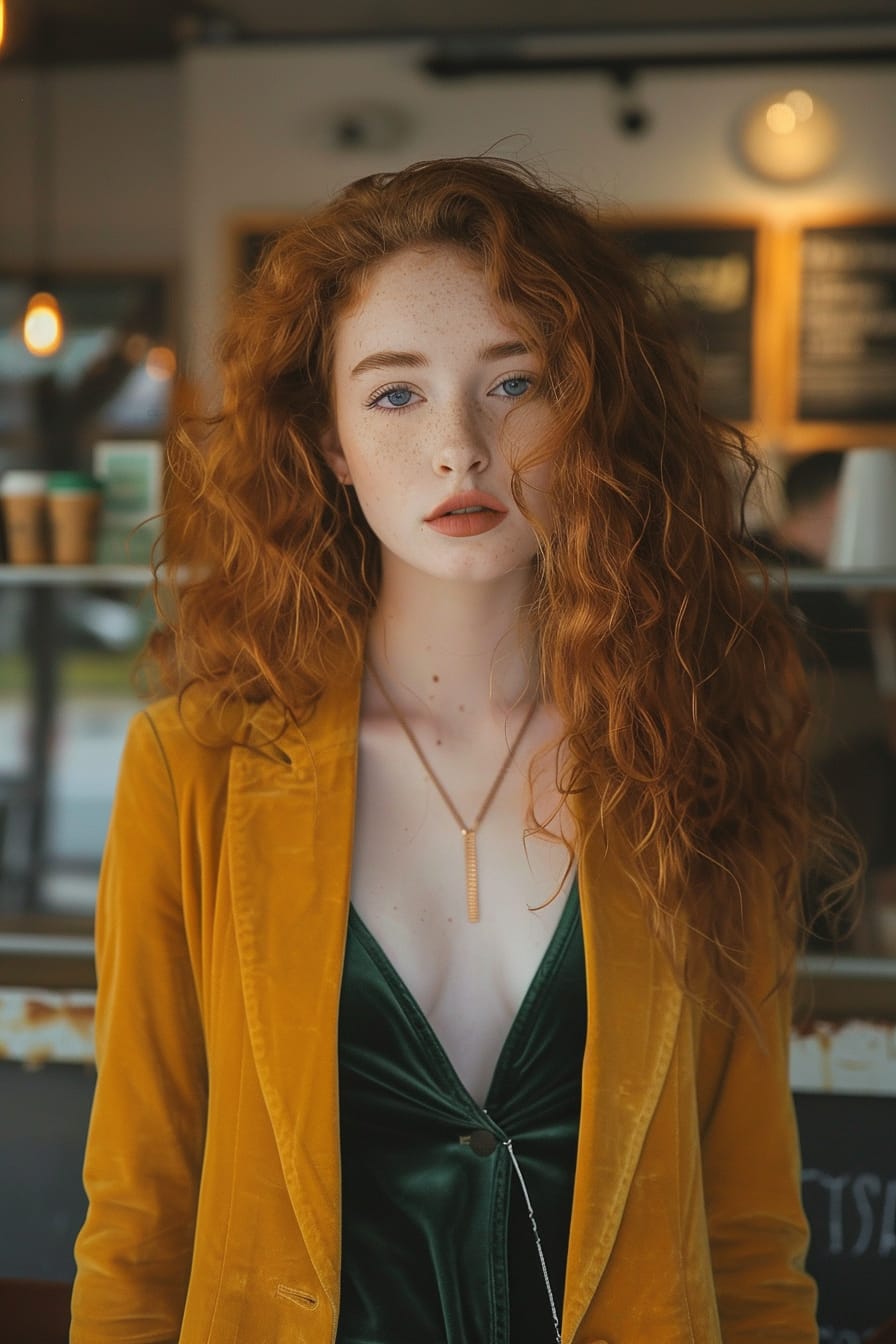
(467, 499)
(467, 524)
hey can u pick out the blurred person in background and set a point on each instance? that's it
(811, 487)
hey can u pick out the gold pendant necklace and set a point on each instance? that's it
(468, 833)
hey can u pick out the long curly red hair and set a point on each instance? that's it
(675, 672)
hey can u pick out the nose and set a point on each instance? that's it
(461, 442)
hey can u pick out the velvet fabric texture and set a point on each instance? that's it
(213, 1157)
(436, 1240)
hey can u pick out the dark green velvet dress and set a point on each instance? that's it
(437, 1244)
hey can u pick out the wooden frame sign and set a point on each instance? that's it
(716, 271)
(842, 338)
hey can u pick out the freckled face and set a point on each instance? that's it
(426, 372)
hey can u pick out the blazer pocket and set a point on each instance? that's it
(297, 1295)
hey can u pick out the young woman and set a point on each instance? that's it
(449, 904)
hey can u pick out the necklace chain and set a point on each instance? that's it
(468, 833)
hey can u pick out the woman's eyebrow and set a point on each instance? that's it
(504, 350)
(392, 359)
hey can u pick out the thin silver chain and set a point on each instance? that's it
(544, 1269)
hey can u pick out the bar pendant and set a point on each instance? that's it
(472, 875)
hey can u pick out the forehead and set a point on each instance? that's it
(440, 291)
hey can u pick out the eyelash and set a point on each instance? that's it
(371, 404)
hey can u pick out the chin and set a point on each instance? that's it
(468, 563)
(480, 571)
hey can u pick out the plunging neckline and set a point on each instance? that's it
(423, 1027)
(447, 1180)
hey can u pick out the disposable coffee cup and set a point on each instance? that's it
(74, 500)
(24, 496)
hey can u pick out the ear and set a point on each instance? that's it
(334, 456)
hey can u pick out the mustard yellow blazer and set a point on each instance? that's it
(212, 1162)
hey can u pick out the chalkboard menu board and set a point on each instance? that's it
(712, 272)
(849, 1194)
(847, 324)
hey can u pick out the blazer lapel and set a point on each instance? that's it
(634, 1005)
(290, 830)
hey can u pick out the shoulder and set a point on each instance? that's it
(186, 741)
(197, 721)
(177, 733)
(200, 729)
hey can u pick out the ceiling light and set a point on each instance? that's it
(42, 325)
(789, 137)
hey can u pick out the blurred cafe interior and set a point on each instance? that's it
(147, 153)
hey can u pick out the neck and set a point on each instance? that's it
(457, 652)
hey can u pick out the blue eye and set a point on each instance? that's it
(515, 387)
(394, 398)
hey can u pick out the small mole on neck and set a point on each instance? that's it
(435, 678)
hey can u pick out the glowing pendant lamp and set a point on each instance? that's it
(42, 325)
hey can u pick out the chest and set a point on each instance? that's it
(409, 886)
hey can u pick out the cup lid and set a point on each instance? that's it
(16, 482)
(73, 480)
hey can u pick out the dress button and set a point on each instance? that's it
(482, 1141)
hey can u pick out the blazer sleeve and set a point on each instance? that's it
(147, 1126)
(751, 1164)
